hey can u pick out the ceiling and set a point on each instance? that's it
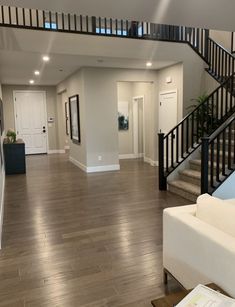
(21, 54)
(211, 14)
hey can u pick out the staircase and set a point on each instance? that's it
(209, 129)
(188, 183)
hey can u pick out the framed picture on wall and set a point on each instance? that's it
(123, 115)
(74, 119)
(66, 118)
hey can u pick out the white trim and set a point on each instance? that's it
(56, 151)
(150, 161)
(131, 156)
(78, 164)
(66, 147)
(95, 169)
(103, 168)
(133, 101)
(45, 110)
(2, 207)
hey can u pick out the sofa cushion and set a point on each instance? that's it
(216, 212)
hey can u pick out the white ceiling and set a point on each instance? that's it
(21, 53)
(212, 14)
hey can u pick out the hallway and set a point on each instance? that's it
(76, 239)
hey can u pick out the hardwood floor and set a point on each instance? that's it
(72, 239)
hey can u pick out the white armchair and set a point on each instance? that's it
(196, 248)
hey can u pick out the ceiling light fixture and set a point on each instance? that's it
(31, 81)
(149, 64)
(37, 72)
(46, 58)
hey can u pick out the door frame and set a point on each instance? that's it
(45, 110)
(165, 93)
(134, 102)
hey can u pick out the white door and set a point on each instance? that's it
(30, 119)
(167, 111)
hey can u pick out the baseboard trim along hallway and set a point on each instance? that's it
(95, 169)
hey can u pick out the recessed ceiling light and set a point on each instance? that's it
(149, 64)
(31, 81)
(37, 72)
(46, 58)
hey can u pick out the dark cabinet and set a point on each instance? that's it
(14, 155)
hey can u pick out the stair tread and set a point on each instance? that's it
(185, 186)
(192, 173)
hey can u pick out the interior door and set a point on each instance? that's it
(30, 118)
(167, 111)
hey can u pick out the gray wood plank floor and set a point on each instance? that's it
(76, 239)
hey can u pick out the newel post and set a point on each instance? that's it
(162, 178)
(204, 164)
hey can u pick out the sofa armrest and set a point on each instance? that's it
(196, 252)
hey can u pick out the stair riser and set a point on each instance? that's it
(197, 167)
(190, 179)
(183, 194)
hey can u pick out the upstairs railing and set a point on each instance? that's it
(90, 25)
(183, 139)
(221, 62)
(218, 157)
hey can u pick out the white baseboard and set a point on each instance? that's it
(78, 164)
(2, 207)
(67, 147)
(103, 168)
(56, 151)
(150, 161)
(95, 169)
(131, 156)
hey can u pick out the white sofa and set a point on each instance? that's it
(199, 243)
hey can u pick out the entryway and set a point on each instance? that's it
(31, 120)
(138, 127)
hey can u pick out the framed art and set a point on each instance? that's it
(66, 118)
(233, 42)
(123, 115)
(74, 119)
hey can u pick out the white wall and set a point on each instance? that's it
(226, 190)
(74, 85)
(223, 38)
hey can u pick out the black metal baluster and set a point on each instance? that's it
(116, 22)
(9, 14)
(121, 27)
(212, 165)
(111, 26)
(3, 17)
(81, 24)
(204, 165)
(75, 22)
(69, 22)
(50, 20)
(17, 16)
(218, 158)
(217, 106)
(229, 147)
(182, 139)
(23, 12)
(187, 135)
(167, 153)
(222, 103)
(87, 24)
(37, 18)
(177, 144)
(172, 149)
(192, 131)
(223, 153)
